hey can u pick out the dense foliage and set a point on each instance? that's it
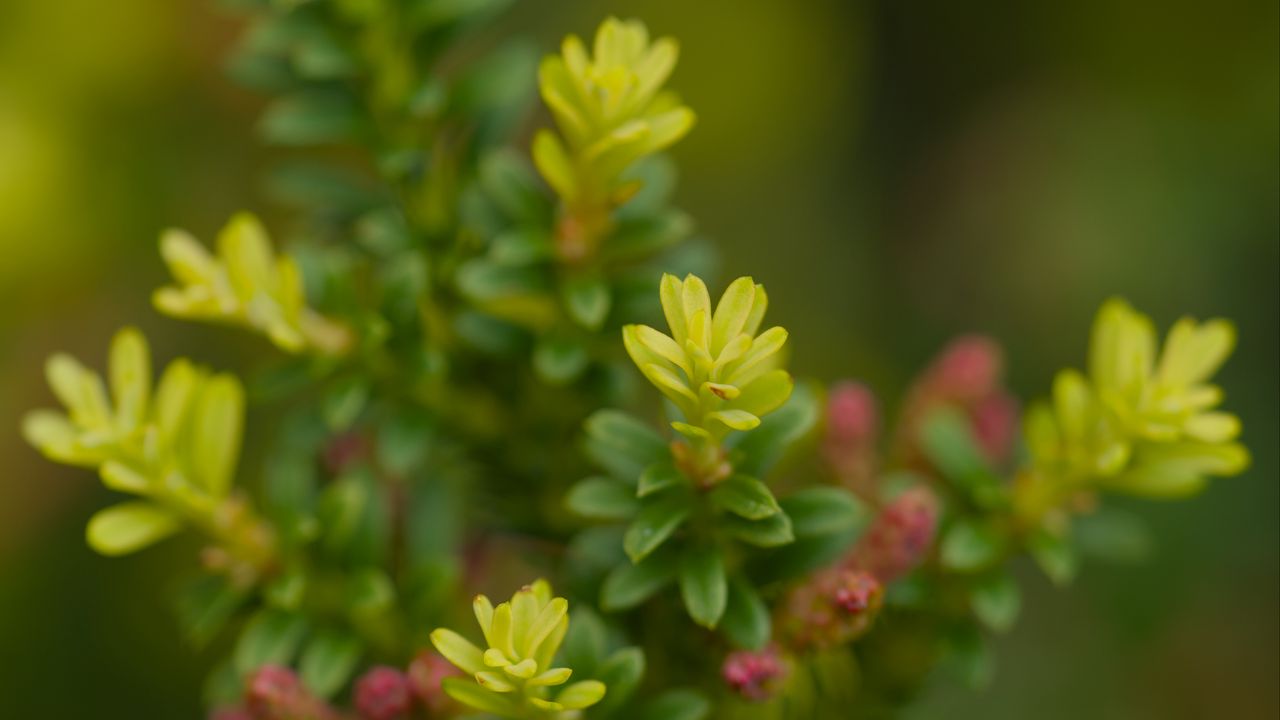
(460, 416)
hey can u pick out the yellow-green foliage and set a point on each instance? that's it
(513, 676)
(611, 111)
(176, 447)
(714, 367)
(247, 284)
(1142, 421)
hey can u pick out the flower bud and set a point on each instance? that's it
(382, 694)
(836, 606)
(899, 537)
(853, 429)
(230, 713)
(967, 376)
(968, 368)
(995, 425)
(275, 693)
(754, 675)
(426, 673)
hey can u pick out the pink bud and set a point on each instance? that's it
(852, 416)
(426, 673)
(969, 367)
(995, 424)
(754, 675)
(275, 693)
(857, 593)
(835, 606)
(853, 429)
(900, 535)
(382, 694)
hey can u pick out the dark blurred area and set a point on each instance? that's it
(895, 173)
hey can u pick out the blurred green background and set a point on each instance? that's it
(896, 173)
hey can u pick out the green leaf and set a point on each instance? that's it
(746, 618)
(761, 448)
(584, 643)
(824, 510)
(629, 585)
(481, 279)
(947, 440)
(996, 601)
(271, 637)
(803, 556)
(204, 605)
(969, 656)
(468, 692)
(678, 704)
(344, 403)
(588, 299)
(970, 545)
(509, 182)
(659, 477)
(1055, 556)
(643, 236)
(772, 531)
(129, 527)
(602, 499)
(703, 585)
(1113, 535)
(622, 444)
(288, 589)
(745, 497)
(370, 592)
(310, 118)
(621, 673)
(521, 246)
(328, 661)
(559, 361)
(654, 525)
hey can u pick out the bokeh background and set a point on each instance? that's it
(896, 173)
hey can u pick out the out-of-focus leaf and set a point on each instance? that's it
(823, 510)
(703, 584)
(761, 448)
(947, 440)
(772, 531)
(328, 661)
(129, 527)
(344, 402)
(745, 497)
(621, 673)
(310, 118)
(1112, 535)
(969, 655)
(622, 444)
(996, 601)
(654, 524)
(602, 499)
(559, 360)
(584, 643)
(629, 585)
(970, 545)
(746, 618)
(587, 299)
(271, 637)
(1055, 556)
(679, 704)
(204, 605)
